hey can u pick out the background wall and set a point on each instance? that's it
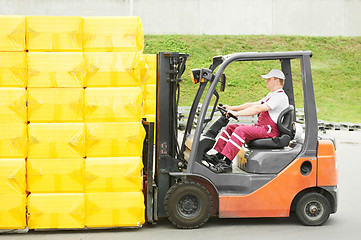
(236, 17)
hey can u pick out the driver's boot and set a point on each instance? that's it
(225, 166)
(213, 159)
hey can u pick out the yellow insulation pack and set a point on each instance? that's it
(122, 174)
(149, 107)
(151, 61)
(55, 69)
(113, 34)
(150, 89)
(117, 209)
(114, 139)
(13, 140)
(12, 176)
(13, 105)
(56, 140)
(13, 69)
(12, 211)
(55, 175)
(55, 105)
(12, 33)
(54, 33)
(56, 210)
(113, 69)
(113, 104)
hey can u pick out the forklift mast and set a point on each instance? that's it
(170, 67)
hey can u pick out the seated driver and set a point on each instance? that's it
(235, 135)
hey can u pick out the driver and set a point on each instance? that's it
(235, 135)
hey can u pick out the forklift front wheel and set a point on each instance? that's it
(188, 204)
(313, 209)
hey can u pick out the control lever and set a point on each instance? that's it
(224, 112)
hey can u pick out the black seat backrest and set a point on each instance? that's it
(285, 121)
(286, 127)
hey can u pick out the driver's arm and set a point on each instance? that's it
(251, 110)
(241, 107)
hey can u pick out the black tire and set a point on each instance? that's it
(313, 209)
(188, 205)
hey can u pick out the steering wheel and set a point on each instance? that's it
(224, 112)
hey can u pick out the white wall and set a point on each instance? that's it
(238, 17)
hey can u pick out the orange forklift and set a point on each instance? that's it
(275, 177)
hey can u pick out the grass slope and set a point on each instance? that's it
(336, 68)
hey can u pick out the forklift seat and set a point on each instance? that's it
(286, 127)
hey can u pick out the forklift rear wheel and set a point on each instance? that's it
(313, 209)
(188, 204)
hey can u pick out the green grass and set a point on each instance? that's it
(336, 68)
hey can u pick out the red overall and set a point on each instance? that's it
(234, 135)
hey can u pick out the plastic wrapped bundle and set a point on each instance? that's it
(12, 176)
(149, 107)
(12, 33)
(56, 69)
(56, 210)
(122, 174)
(114, 139)
(13, 211)
(113, 104)
(150, 89)
(13, 140)
(13, 72)
(56, 140)
(12, 194)
(151, 62)
(55, 175)
(113, 69)
(13, 105)
(59, 105)
(116, 209)
(113, 34)
(54, 33)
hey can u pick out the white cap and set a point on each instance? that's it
(274, 73)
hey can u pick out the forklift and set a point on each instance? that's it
(276, 176)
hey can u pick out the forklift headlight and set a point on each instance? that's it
(195, 73)
(206, 75)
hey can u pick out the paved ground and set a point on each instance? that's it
(345, 224)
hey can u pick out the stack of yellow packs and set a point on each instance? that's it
(149, 108)
(114, 133)
(13, 123)
(114, 192)
(71, 99)
(56, 130)
(85, 112)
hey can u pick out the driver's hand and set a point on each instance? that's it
(231, 112)
(228, 108)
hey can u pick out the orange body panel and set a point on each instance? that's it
(327, 165)
(273, 199)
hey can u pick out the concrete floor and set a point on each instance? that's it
(345, 224)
